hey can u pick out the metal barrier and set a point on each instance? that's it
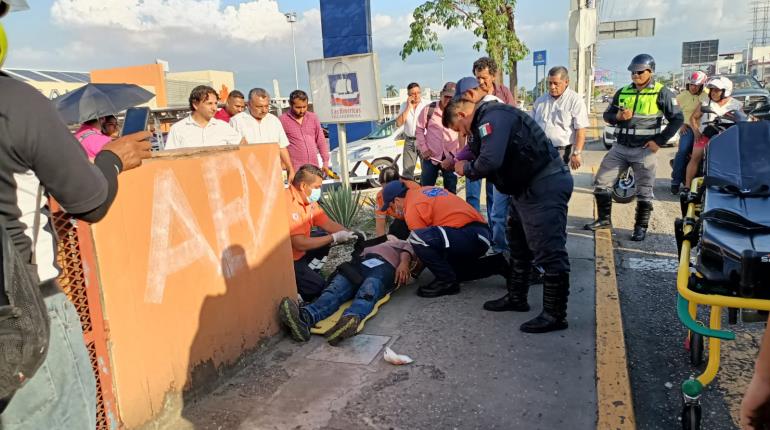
(79, 281)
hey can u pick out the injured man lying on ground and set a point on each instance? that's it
(375, 270)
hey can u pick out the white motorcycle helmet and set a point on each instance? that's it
(721, 83)
(697, 78)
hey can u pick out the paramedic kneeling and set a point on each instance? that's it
(310, 251)
(448, 236)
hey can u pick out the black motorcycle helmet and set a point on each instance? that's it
(642, 62)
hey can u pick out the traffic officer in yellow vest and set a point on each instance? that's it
(637, 112)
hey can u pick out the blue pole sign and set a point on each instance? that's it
(538, 58)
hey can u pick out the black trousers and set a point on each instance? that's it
(307, 271)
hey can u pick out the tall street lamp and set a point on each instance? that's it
(291, 18)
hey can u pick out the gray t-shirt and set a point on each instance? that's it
(37, 148)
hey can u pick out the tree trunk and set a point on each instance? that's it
(513, 84)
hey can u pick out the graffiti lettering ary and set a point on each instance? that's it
(171, 211)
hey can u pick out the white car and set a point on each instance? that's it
(609, 137)
(382, 147)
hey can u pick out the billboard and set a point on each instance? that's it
(700, 52)
(539, 58)
(603, 78)
(346, 89)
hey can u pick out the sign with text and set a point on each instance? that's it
(346, 89)
(539, 58)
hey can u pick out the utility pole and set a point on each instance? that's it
(583, 31)
(291, 18)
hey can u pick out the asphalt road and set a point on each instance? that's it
(657, 359)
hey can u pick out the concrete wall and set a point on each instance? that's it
(151, 75)
(193, 260)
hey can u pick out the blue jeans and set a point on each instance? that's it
(430, 174)
(682, 157)
(473, 195)
(378, 281)
(62, 393)
(498, 220)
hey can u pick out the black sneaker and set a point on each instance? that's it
(346, 327)
(288, 312)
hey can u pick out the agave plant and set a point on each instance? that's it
(341, 204)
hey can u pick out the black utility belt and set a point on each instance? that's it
(556, 165)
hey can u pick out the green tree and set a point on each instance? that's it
(492, 21)
(391, 90)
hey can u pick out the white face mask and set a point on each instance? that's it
(315, 195)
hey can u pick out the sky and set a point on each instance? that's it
(253, 39)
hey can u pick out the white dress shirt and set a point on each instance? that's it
(561, 117)
(268, 130)
(188, 134)
(410, 124)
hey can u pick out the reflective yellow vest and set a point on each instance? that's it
(647, 117)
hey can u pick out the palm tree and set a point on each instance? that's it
(391, 90)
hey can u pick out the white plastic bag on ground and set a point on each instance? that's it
(397, 359)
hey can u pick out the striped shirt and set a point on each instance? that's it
(306, 140)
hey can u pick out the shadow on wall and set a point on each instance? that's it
(215, 321)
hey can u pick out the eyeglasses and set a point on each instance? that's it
(641, 72)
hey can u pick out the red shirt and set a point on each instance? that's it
(222, 115)
(302, 216)
(503, 93)
(306, 140)
(433, 206)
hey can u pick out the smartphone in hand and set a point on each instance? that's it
(136, 120)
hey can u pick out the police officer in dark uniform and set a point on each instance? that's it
(513, 152)
(637, 112)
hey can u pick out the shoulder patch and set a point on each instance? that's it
(435, 192)
(485, 129)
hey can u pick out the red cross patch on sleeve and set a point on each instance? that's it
(485, 129)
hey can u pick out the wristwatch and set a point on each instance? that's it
(577, 152)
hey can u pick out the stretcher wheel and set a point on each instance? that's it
(691, 415)
(696, 349)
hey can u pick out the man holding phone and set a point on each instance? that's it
(201, 128)
(47, 161)
(436, 142)
(407, 117)
(637, 112)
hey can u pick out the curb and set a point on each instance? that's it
(613, 387)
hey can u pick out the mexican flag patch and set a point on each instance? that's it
(485, 129)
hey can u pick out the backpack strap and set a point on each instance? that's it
(36, 222)
(431, 111)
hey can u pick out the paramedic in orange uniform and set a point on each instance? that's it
(310, 250)
(448, 235)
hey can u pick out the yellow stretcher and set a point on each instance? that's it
(687, 307)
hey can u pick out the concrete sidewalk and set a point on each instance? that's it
(472, 369)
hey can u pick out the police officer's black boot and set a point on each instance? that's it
(517, 282)
(643, 210)
(603, 211)
(554, 314)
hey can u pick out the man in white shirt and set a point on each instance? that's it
(201, 128)
(407, 117)
(257, 125)
(563, 116)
